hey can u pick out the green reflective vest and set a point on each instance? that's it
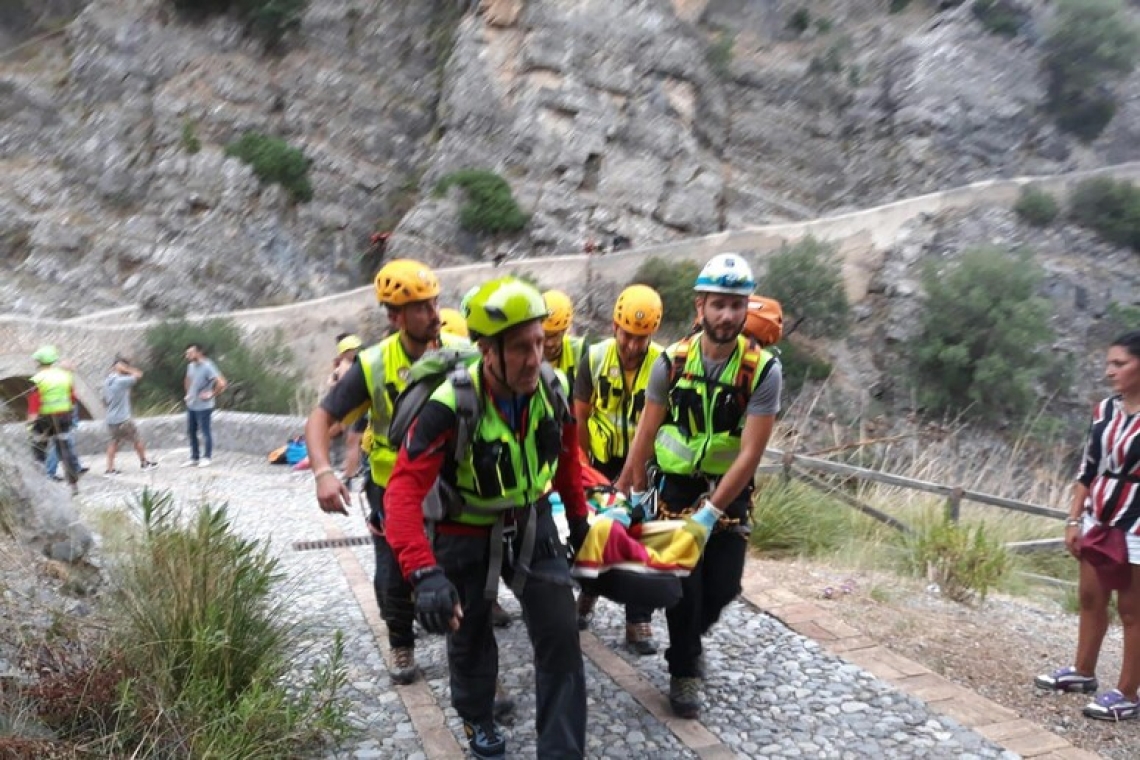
(54, 385)
(615, 409)
(502, 469)
(705, 416)
(386, 366)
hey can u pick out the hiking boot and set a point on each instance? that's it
(504, 702)
(639, 639)
(1066, 679)
(586, 604)
(403, 669)
(485, 739)
(685, 697)
(1113, 705)
(499, 616)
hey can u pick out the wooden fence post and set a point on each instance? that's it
(787, 461)
(954, 504)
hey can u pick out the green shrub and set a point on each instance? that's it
(673, 280)
(1001, 17)
(983, 334)
(274, 161)
(490, 206)
(898, 6)
(823, 25)
(794, 518)
(269, 20)
(1109, 207)
(719, 55)
(964, 561)
(800, 20)
(829, 62)
(1089, 43)
(190, 142)
(807, 279)
(261, 377)
(205, 646)
(1036, 207)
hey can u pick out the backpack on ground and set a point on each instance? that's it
(424, 377)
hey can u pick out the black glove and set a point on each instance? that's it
(436, 598)
(578, 530)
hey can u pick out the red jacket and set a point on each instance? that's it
(419, 462)
(34, 402)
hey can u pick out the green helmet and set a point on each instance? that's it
(46, 355)
(501, 304)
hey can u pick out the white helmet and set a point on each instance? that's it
(726, 273)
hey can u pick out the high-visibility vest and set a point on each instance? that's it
(54, 385)
(502, 469)
(705, 416)
(615, 409)
(386, 366)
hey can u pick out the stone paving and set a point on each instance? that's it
(770, 691)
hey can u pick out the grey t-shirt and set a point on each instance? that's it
(117, 397)
(201, 376)
(765, 398)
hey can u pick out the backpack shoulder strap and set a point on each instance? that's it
(558, 396)
(680, 358)
(467, 408)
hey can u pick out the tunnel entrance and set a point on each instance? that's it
(14, 392)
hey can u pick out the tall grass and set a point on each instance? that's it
(199, 664)
(950, 454)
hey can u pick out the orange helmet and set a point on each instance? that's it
(559, 311)
(638, 310)
(404, 281)
(765, 320)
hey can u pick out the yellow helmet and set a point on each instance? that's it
(348, 343)
(451, 321)
(405, 281)
(560, 311)
(638, 310)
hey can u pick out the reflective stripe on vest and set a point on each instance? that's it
(388, 362)
(614, 410)
(54, 385)
(701, 431)
(500, 470)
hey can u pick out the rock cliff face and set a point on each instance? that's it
(648, 119)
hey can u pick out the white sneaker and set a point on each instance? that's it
(189, 463)
(204, 463)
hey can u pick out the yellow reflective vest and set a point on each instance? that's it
(615, 409)
(386, 366)
(54, 385)
(705, 416)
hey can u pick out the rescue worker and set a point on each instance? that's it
(347, 347)
(52, 421)
(522, 446)
(710, 407)
(409, 291)
(609, 395)
(558, 347)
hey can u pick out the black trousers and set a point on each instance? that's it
(393, 593)
(712, 584)
(54, 429)
(548, 612)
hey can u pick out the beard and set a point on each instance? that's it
(721, 333)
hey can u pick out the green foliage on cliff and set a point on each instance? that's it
(274, 161)
(490, 205)
(268, 20)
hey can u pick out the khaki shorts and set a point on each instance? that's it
(124, 432)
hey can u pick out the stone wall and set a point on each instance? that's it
(309, 326)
